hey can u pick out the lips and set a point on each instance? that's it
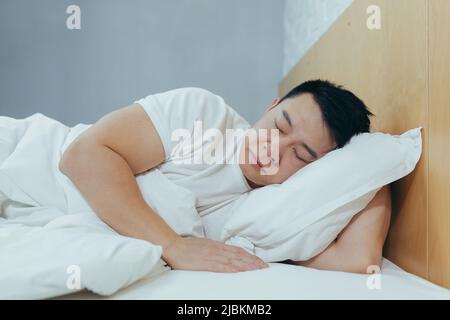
(258, 164)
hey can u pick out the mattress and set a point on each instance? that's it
(279, 281)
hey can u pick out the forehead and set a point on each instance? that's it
(307, 121)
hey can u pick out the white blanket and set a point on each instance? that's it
(51, 241)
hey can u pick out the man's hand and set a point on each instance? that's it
(360, 244)
(201, 254)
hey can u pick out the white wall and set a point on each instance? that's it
(305, 21)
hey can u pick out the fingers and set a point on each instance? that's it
(235, 263)
(244, 255)
(245, 266)
(208, 255)
(238, 257)
(225, 268)
(245, 259)
(216, 266)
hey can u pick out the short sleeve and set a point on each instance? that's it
(180, 108)
(158, 116)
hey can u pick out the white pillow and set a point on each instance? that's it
(302, 216)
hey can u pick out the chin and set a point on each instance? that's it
(258, 179)
(260, 182)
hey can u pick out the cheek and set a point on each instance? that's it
(289, 166)
(252, 143)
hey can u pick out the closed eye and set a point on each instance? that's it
(295, 151)
(296, 155)
(276, 126)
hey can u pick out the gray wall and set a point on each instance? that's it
(128, 49)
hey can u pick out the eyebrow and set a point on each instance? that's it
(308, 148)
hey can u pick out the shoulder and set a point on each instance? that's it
(190, 92)
(182, 106)
(195, 91)
(186, 97)
(203, 102)
(199, 97)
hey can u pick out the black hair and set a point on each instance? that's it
(344, 114)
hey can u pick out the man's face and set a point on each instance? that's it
(302, 138)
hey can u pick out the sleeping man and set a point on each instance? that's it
(310, 121)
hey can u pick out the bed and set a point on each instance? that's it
(401, 72)
(279, 281)
(405, 90)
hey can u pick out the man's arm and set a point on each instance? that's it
(103, 162)
(360, 244)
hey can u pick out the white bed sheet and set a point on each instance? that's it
(280, 281)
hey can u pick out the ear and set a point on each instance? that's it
(275, 102)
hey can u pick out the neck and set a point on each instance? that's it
(252, 184)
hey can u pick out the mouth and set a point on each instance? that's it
(255, 162)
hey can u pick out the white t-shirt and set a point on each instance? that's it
(216, 185)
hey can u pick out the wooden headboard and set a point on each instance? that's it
(402, 72)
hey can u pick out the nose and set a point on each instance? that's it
(265, 155)
(269, 154)
(272, 152)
